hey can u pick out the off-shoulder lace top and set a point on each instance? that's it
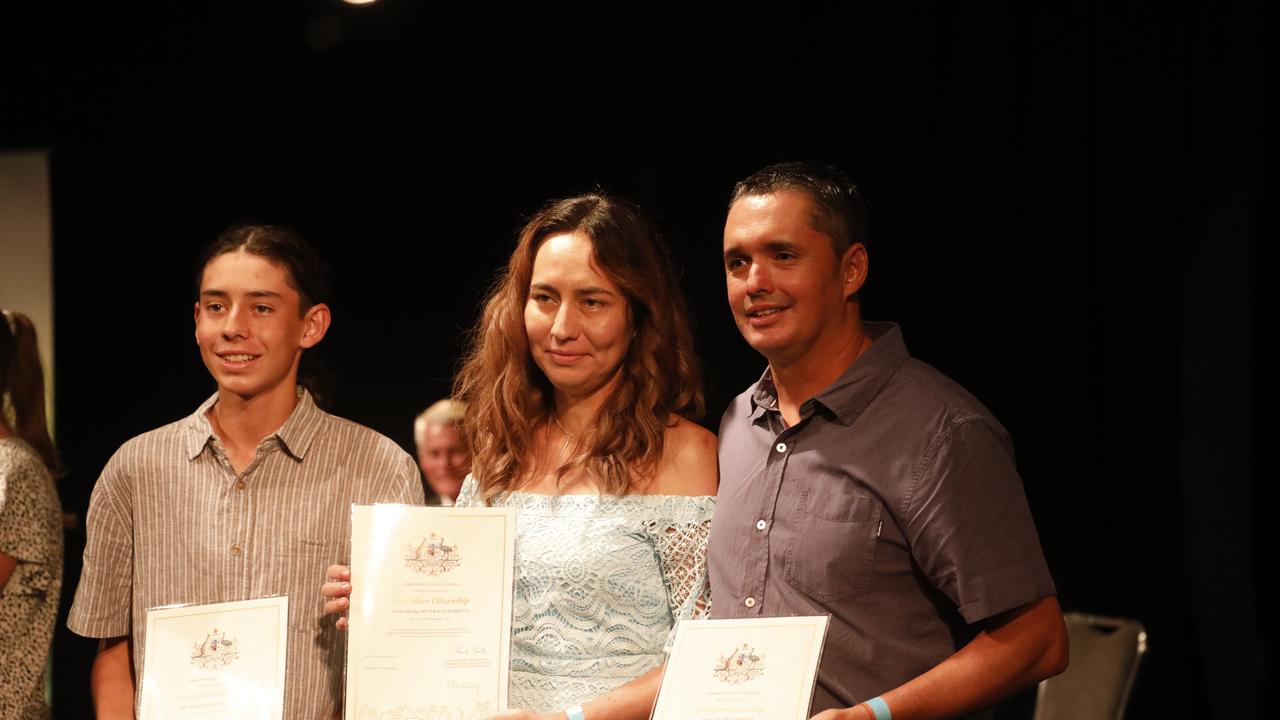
(600, 582)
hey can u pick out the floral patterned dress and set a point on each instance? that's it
(31, 533)
(600, 582)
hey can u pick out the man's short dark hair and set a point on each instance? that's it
(838, 208)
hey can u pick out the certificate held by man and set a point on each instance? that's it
(742, 669)
(430, 615)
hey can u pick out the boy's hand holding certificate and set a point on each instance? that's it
(217, 661)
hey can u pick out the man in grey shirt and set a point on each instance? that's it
(859, 482)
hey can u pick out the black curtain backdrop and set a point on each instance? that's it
(1064, 219)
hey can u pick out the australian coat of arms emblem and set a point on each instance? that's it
(216, 651)
(432, 556)
(739, 665)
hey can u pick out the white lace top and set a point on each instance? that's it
(600, 581)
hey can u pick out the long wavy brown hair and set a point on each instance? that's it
(509, 398)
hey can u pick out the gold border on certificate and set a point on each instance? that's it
(218, 660)
(747, 669)
(430, 616)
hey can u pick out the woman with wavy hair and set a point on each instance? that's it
(30, 524)
(580, 381)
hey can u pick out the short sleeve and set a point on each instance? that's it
(406, 483)
(969, 525)
(681, 545)
(30, 523)
(104, 595)
(21, 517)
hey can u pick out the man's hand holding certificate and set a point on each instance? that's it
(756, 669)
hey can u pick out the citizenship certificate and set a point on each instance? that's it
(216, 661)
(748, 669)
(430, 615)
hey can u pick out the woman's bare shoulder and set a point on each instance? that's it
(689, 465)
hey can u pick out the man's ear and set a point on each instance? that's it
(315, 323)
(853, 269)
(197, 322)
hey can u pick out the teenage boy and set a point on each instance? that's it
(250, 495)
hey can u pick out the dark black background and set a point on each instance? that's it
(1064, 219)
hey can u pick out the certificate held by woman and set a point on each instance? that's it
(430, 616)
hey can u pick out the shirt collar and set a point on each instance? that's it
(764, 397)
(850, 394)
(294, 436)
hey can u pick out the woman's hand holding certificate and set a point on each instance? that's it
(430, 611)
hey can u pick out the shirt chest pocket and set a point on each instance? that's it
(833, 545)
(302, 564)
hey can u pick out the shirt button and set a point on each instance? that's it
(760, 524)
(235, 549)
(780, 447)
(239, 484)
(749, 602)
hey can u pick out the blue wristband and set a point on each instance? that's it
(879, 708)
(575, 712)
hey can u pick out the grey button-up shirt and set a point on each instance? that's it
(893, 505)
(170, 522)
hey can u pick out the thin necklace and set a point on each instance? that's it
(568, 436)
